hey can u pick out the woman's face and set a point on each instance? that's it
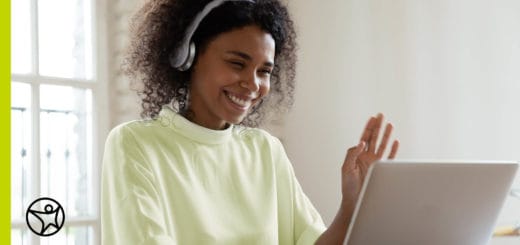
(230, 76)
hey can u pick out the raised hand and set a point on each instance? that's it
(359, 158)
(353, 173)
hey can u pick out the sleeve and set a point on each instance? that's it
(296, 212)
(130, 207)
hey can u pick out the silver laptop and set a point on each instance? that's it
(430, 203)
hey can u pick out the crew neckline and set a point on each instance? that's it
(168, 117)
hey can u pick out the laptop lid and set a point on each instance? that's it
(426, 202)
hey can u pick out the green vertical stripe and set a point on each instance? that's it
(5, 132)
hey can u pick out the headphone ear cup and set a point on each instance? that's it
(189, 59)
(182, 57)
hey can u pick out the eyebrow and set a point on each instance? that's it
(247, 57)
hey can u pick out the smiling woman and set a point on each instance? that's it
(196, 170)
(148, 56)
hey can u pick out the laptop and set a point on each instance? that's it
(430, 203)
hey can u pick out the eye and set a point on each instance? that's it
(236, 64)
(266, 72)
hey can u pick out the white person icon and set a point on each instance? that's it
(45, 221)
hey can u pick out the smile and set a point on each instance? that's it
(239, 102)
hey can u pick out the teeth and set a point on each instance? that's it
(238, 101)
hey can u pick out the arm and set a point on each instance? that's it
(337, 231)
(130, 209)
(353, 172)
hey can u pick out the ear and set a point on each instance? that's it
(182, 61)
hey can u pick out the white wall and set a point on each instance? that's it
(446, 73)
(124, 103)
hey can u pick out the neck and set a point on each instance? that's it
(190, 115)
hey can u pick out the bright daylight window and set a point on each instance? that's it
(52, 88)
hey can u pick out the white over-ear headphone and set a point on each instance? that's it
(182, 57)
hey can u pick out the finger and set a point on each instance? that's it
(366, 132)
(375, 133)
(393, 152)
(384, 142)
(352, 154)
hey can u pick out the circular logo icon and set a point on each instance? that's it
(45, 216)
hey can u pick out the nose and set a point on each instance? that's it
(251, 82)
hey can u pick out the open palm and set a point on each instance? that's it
(359, 158)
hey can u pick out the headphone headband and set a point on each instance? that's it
(182, 57)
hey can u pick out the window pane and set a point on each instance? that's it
(65, 38)
(80, 236)
(19, 237)
(21, 37)
(66, 142)
(74, 235)
(20, 148)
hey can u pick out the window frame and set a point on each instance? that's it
(99, 88)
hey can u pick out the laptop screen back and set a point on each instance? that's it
(430, 203)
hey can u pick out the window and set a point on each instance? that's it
(54, 91)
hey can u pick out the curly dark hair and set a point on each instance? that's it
(159, 26)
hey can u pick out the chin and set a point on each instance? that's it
(236, 120)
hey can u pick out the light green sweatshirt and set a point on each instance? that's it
(170, 181)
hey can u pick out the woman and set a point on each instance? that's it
(197, 171)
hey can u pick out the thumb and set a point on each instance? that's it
(352, 154)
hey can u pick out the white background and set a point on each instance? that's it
(446, 73)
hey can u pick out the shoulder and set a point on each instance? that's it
(130, 131)
(256, 134)
(259, 137)
(123, 130)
